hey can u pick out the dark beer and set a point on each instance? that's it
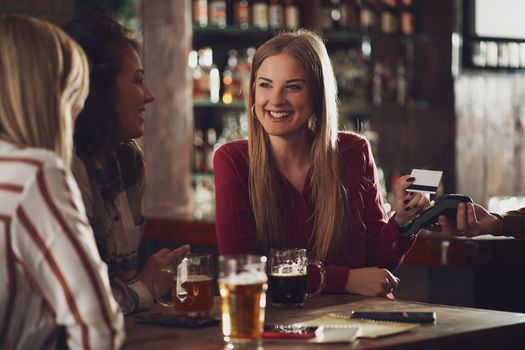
(287, 289)
(194, 297)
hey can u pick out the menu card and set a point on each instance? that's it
(369, 328)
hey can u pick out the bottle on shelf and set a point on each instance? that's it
(407, 18)
(209, 149)
(330, 15)
(200, 12)
(388, 83)
(389, 18)
(401, 85)
(217, 13)
(244, 67)
(230, 79)
(479, 53)
(368, 17)
(198, 151)
(349, 11)
(514, 55)
(241, 14)
(377, 83)
(291, 15)
(260, 14)
(210, 82)
(276, 14)
(503, 55)
(196, 74)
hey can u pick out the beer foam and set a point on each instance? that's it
(244, 278)
(289, 270)
(196, 278)
(288, 274)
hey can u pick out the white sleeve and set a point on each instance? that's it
(57, 244)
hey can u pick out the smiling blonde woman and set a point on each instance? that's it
(299, 183)
(54, 289)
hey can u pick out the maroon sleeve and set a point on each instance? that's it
(384, 247)
(234, 221)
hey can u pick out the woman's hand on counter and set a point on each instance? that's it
(156, 262)
(371, 281)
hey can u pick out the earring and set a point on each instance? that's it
(312, 123)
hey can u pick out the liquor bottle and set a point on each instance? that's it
(276, 14)
(217, 13)
(241, 14)
(210, 80)
(243, 70)
(230, 80)
(389, 21)
(514, 55)
(349, 10)
(291, 15)
(368, 16)
(401, 84)
(260, 14)
(407, 18)
(503, 54)
(196, 74)
(209, 149)
(330, 14)
(377, 83)
(388, 83)
(200, 12)
(198, 151)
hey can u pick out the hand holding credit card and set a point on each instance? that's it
(427, 181)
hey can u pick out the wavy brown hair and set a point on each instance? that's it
(328, 192)
(104, 41)
(43, 76)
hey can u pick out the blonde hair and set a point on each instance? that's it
(328, 192)
(44, 74)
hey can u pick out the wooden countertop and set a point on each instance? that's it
(455, 328)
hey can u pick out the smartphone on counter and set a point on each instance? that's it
(288, 332)
(396, 316)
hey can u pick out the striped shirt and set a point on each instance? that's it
(54, 287)
(113, 199)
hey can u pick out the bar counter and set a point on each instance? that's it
(484, 272)
(455, 327)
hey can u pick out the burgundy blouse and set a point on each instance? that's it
(372, 238)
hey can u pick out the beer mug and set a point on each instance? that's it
(242, 285)
(287, 277)
(191, 281)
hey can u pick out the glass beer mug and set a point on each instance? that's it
(191, 279)
(242, 285)
(287, 277)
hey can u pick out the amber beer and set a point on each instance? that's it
(242, 285)
(193, 297)
(191, 280)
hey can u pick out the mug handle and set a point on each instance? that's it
(322, 273)
(158, 295)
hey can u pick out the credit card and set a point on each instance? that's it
(427, 181)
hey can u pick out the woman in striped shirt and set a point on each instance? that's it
(54, 288)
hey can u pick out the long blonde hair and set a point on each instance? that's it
(328, 192)
(43, 75)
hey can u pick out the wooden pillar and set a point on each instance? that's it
(167, 40)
